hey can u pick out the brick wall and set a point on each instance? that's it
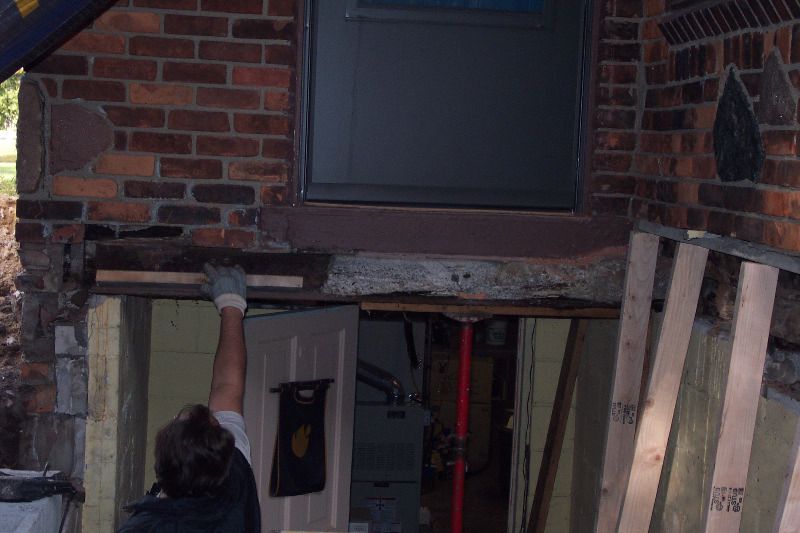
(687, 57)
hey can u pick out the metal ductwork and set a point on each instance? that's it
(382, 380)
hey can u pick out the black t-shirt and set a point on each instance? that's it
(236, 510)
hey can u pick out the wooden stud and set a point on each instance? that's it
(788, 518)
(190, 278)
(752, 315)
(639, 277)
(477, 309)
(558, 426)
(662, 392)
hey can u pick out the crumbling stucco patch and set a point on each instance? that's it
(599, 283)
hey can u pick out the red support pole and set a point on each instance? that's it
(462, 424)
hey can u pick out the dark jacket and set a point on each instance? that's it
(236, 510)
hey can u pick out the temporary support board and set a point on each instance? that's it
(631, 471)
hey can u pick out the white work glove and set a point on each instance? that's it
(227, 286)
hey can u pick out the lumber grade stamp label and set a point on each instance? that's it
(623, 413)
(727, 499)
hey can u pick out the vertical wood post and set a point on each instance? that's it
(752, 315)
(631, 342)
(558, 426)
(662, 391)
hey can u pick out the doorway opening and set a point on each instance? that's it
(516, 363)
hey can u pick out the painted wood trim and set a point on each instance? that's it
(752, 315)
(629, 360)
(662, 391)
(787, 519)
(191, 278)
(558, 426)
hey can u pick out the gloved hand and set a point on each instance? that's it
(227, 286)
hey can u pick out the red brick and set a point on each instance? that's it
(126, 165)
(263, 77)
(51, 86)
(616, 96)
(128, 21)
(190, 5)
(102, 91)
(89, 187)
(165, 143)
(783, 235)
(271, 195)
(619, 52)
(617, 74)
(780, 142)
(227, 146)
(268, 30)
(127, 69)
(188, 215)
(235, 52)
(149, 93)
(198, 121)
(277, 149)
(258, 171)
(243, 218)
(120, 141)
(192, 25)
(68, 233)
(784, 172)
(228, 98)
(151, 189)
(605, 140)
(191, 168)
(95, 43)
(779, 203)
(252, 7)
(135, 117)
(616, 184)
(29, 232)
(277, 101)
(223, 194)
(39, 399)
(650, 30)
(265, 124)
(161, 47)
(226, 238)
(34, 373)
(194, 72)
(610, 205)
(611, 161)
(281, 8)
(615, 118)
(119, 212)
(49, 209)
(280, 54)
(65, 65)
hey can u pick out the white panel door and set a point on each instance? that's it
(301, 346)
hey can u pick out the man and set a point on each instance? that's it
(204, 479)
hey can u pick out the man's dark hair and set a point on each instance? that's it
(193, 454)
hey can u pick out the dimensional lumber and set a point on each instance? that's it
(473, 308)
(662, 392)
(752, 315)
(629, 360)
(787, 519)
(558, 426)
(190, 278)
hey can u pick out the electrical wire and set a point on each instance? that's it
(526, 462)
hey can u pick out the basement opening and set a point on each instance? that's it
(393, 457)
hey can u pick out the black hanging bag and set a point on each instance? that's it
(298, 462)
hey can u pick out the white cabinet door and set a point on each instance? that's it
(301, 346)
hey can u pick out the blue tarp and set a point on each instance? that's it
(30, 29)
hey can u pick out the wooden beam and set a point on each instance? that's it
(557, 427)
(787, 519)
(190, 278)
(752, 315)
(728, 245)
(509, 310)
(662, 392)
(634, 322)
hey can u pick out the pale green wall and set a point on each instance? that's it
(544, 340)
(183, 342)
(681, 501)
